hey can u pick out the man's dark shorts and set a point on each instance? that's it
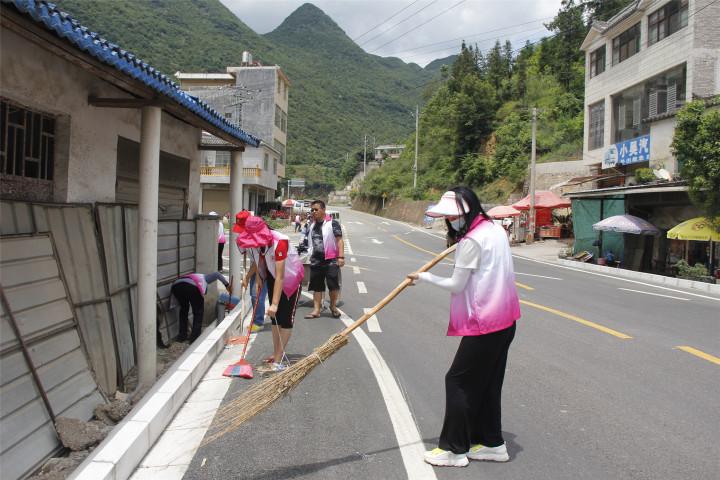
(322, 274)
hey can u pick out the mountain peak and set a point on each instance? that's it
(307, 20)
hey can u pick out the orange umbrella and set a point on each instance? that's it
(543, 199)
(503, 211)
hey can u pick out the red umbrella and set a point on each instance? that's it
(503, 211)
(543, 199)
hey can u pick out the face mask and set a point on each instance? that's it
(458, 223)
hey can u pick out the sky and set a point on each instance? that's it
(407, 35)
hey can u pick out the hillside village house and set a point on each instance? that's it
(388, 152)
(255, 98)
(96, 146)
(642, 65)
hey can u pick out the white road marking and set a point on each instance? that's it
(372, 323)
(361, 287)
(386, 223)
(376, 241)
(622, 279)
(356, 270)
(655, 294)
(346, 241)
(539, 276)
(353, 259)
(372, 256)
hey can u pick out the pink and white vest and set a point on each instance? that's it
(199, 281)
(489, 302)
(294, 269)
(329, 242)
(221, 233)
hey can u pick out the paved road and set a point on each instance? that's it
(606, 379)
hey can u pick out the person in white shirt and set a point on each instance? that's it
(483, 309)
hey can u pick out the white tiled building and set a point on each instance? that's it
(641, 66)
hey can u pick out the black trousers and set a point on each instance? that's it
(221, 246)
(187, 295)
(473, 390)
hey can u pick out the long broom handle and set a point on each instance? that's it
(405, 283)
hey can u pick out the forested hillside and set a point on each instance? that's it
(476, 129)
(338, 94)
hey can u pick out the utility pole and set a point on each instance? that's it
(417, 123)
(531, 221)
(365, 157)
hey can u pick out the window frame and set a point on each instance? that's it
(34, 141)
(623, 42)
(595, 64)
(595, 132)
(663, 17)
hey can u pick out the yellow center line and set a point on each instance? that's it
(521, 285)
(575, 318)
(699, 353)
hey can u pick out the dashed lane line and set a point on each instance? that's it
(654, 294)
(538, 276)
(356, 270)
(577, 319)
(361, 287)
(699, 354)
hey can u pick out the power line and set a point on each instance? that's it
(401, 21)
(385, 21)
(424, 23)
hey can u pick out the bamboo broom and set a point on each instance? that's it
(261, 395)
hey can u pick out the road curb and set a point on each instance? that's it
(117, 457)
(642, 276)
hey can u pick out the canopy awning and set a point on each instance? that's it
(543, 199)
(699, 229)
(503, 211)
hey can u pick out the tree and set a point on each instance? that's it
(696, 146)
(570, 30)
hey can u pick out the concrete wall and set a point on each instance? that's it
(259, 111)
(697, 45)
(85, 164)
(553, 173)
(411, 211)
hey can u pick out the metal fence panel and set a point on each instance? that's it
(32, 286)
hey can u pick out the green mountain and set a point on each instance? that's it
(339, 92)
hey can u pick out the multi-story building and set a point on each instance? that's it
(385, 152)
(642, 66)
(256, 98)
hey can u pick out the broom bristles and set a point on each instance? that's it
(261, 395)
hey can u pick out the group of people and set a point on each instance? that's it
(484, 307)
(276, 270)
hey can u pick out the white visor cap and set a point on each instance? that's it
(447, 206)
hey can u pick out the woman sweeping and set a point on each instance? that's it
(483, 309)
(280, 265)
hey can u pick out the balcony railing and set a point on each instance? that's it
(224, 171)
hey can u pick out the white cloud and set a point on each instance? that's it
(480, 21)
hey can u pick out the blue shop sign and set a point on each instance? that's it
(628, 152)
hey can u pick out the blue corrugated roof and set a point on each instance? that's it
(64, 26)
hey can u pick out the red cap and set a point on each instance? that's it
(240, 218)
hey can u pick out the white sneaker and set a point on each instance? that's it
(443, 458)
(278, 367)
(492, 454)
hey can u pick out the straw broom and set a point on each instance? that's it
(261, 395)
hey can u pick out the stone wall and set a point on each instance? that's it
(411, 211)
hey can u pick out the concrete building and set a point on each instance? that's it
(642, 66)
(255, 98)
(99, 193)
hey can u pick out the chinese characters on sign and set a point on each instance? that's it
(627, 152)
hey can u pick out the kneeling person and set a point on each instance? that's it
(189, 290)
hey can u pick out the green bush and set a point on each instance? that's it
(685, 270)
(644, 175)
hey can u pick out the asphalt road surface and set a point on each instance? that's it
(607, 379)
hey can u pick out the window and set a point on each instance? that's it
(280, 148)
(667, 20)
(266, 161)
(626, 44)
(596, 138)
(278, 85)
(597, 61)
(665, 93)
(222, 158)
(27, 142)
(278, 116)
(283, 122)
(275, 165)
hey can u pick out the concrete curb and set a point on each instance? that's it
(642, 276)
(122, 451)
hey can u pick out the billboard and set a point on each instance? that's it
(628, 152)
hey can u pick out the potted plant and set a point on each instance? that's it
(698, 273)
